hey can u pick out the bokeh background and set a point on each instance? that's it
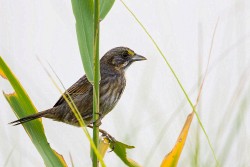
(153, 109)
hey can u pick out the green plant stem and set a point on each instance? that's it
(96, 80)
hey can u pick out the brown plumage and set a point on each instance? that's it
(112, 67)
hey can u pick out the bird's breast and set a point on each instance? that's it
(111, 89)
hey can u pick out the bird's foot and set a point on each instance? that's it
(105, 134)
(108, 136)
(111, 139)
(97, 123)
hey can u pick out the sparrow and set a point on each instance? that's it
(112, 84)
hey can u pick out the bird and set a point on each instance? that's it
(112, 84)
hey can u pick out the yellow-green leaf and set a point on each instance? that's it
(171, 159)
(22, 106)
(103, 146)
(2, 74)
(120, 150)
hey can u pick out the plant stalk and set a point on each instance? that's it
(96, 80)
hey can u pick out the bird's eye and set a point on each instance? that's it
(125, 55)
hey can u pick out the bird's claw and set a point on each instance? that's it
(99, 114)
(112, 148)
(108, 136)
(111, 140)
(97, 122)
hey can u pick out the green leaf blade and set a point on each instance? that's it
(83, 11)
(120, 150)
(105, 7)
(22, 106)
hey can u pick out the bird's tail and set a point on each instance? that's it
(29, 118)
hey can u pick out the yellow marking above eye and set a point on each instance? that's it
(130, 52)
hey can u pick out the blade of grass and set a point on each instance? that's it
(22, 106)
(71, 160)
(235, 98)
(9, 156)
(195, 156)
(172, 158)
(230, 139)
(175, 76)
(238, 119)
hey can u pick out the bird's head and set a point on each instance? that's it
(121, 58)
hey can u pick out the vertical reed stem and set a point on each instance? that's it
(96, 80)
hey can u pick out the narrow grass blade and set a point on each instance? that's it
(22, 106)
(176, 77)
(8, 157)
(105, 7)
(71, 160)
(84, 15)
(172, 158)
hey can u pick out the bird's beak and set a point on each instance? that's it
(137, 57)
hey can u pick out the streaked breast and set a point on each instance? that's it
(111, 89)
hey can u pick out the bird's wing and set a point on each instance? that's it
(80, 87)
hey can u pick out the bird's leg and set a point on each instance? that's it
(98, 114)
(105, 134)
(98, 122)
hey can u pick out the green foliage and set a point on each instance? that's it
(120, 151)
(105, 7)
(88, 14)
(22, 106)
(84, 15)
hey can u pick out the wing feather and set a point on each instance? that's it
(80, 87)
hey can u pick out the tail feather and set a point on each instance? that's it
(28, 118)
